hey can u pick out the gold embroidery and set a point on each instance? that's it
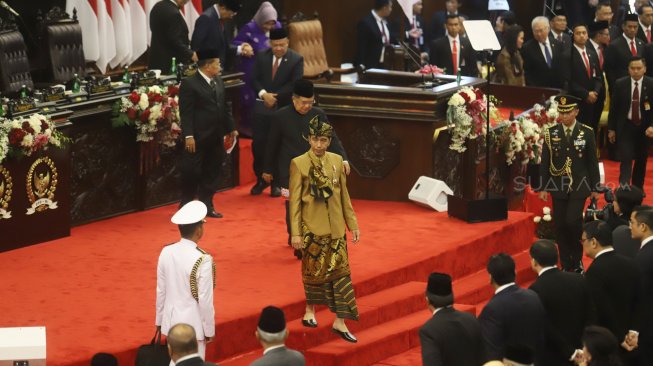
(566, 168)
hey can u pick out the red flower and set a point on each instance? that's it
(479, 94)
(145, 115)
(134, 97)
(173, 90)
(27, 127)
(467, 99)
(44, 126)
(131, 113)
(16, 136)
(157, 98)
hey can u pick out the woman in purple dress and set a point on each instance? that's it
(255, 33)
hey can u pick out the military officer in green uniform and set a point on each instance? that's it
(570, 173)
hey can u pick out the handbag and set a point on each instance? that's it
(153, 354)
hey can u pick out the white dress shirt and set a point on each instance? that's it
(606, 250)
(645, 241)
(273, 347)
(548, 45)
(501, 288)
(546, 269)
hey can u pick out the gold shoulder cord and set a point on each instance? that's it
(566, 168)
(193, 277)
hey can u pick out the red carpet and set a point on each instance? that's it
(95, 290)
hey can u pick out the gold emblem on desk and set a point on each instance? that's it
(6, 187)
(41, 185)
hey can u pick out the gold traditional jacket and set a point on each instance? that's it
(322, 217)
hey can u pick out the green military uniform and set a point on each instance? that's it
(569, 171)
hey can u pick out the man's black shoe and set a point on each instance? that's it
(215, 215)
(275, 192)
(258, 188)
(298, 254)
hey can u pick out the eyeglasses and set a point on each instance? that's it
(306, 103)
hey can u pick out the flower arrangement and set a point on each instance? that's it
(545, 116)
(466, 116)
(24, 136)
(154, 113)
(544, 225)
(521, 140)
(430, 70)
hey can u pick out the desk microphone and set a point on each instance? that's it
(9, 8)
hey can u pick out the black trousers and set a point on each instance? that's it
(260, 132)
(568, 221)
(632, 145)
(200, 172)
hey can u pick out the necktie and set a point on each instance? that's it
(634, 105)
(547, 54)
(568, 132)
(587, 65)
(601, 57)
(212, 83)
(275, 67)
(454, 57)
(633, 50)
(648, 35)
(386, 41)
(560, 37)
(414, 26)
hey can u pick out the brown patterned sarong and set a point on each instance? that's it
(326, 274)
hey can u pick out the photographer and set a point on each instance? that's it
(627, 198)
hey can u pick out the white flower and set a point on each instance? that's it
(546, 210)
(28, 140)
(15, 124)
(155, 89)
(546, 218)
(456, 100)
(144, 102)
(537, 219)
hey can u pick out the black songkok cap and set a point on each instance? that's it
(206, 54)
(303, 88)
(272, 320)
(233, 5)
(278, 33)
(599, 26)
(631, 17)
(439, 289)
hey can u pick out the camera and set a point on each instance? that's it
(606, 212)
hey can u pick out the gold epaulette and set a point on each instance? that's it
(586, 126)
(193, 275)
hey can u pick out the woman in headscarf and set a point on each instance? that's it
(256, 34)
(510, 65)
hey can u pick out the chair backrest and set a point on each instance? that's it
(14, 65)
(65, 50)
(306, 39)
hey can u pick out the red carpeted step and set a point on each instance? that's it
(411, 357)
(244, 359)
(380, 307)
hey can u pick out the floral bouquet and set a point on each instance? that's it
(466, 116)
(24, 136)
(154, 113)
(544, 225)
(521, 140)
(430, 70)
(545, 117)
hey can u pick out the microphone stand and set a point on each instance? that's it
(411, 54)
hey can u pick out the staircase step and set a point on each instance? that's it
(374, 309)
(374, 344)
(244, 359)
(411, 357)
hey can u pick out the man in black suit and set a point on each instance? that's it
(209, 32)
(583, 77)
(641, 223)
(599, 40)
(437, 28)
(630, 122)
(206, 122)
(570, 172)
(169, 36)
(621, 50)
(603, 12)
(374, 35)
(274, 74)
(558, 25)
(272, 333)
(514, 316)
(288, 140)
(452, 52)
(182, 346)
(613, 282)
(415, 36)
(566, 302)
(450, 337)
(645, 13)
(542, 57)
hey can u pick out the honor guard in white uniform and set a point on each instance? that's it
(186, 278)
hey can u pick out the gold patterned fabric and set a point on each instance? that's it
(321, 186)
(326, 274)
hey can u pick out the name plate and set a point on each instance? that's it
(147, 81)
(23, 107)
(97, 89)
(55, 97)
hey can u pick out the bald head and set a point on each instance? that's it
(182, 340)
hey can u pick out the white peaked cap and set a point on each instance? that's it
(190, 213)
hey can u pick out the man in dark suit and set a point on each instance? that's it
(621, 50)
(641, 223)
(582, 73)
(169, 36)
(274, 74)
(450, 337)
(415, 36)
(374, 35)
(288, 140)
(437, 28)
(514, 316)
(182, 346)
(206, 122)
(209, 32)
(645, 13)
(566, 302)
(570, 172)
(630, 122)
(603, 12)
(599, 40)
(613, 282)
(558, 25)
(452, 52)
(271, 332)
(542, 57)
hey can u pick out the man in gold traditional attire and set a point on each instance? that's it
(320, 211)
